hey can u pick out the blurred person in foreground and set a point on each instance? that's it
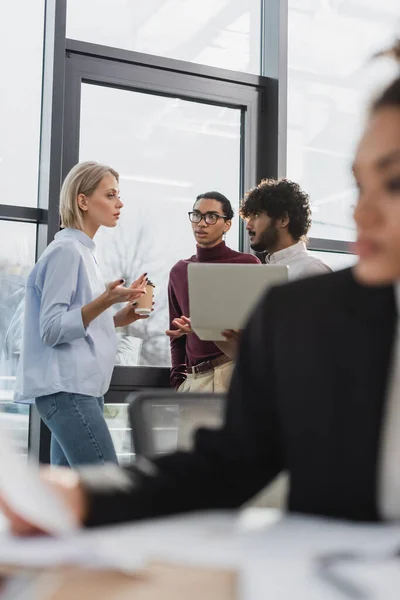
(199, 366)
(334, 424)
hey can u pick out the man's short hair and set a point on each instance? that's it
(278, 198)
(226, 205)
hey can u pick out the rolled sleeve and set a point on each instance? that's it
(72, 325)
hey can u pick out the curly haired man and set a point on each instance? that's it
(278, 218)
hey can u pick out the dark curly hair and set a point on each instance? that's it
(279, 198)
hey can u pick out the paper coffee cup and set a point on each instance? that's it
(145, 303)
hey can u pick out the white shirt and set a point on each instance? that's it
(389, 472)
(58, 353)
(299, 260)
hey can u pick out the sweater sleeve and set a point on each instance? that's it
(177, 345)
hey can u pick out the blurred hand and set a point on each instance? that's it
(127, 316)
(232, 335)
(230, 347)
(183, 326)
(65, 483)
(116, 292)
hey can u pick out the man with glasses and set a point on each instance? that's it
(198, 365)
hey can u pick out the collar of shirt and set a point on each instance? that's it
(78, 235)
(282, 256)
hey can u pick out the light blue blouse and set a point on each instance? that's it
(58, 353)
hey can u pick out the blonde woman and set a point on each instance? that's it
(69, 340)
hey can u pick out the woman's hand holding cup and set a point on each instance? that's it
(141, 307)
(144, 305)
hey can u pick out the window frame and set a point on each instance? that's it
(101, 65)
(88, 63)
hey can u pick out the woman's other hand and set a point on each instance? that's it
(116, 292)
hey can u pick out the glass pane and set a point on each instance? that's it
(116, 416)
(165, 426)
(336, 260)
(328, 93)
(167, 151)
(173, 425)
(21, 49)
(17, 257)
(219, 33)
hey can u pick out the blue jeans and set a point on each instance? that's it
(79, 432)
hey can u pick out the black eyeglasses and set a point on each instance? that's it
(210, 218)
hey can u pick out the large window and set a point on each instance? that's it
(171, 136)
(17, 256)
(167, 151)
(336, 260)
(218, 33)
(21, 46)
(329, 86)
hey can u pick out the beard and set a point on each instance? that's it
(268, 239)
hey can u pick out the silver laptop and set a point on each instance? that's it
(222, 296)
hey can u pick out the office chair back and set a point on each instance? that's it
(164, 420)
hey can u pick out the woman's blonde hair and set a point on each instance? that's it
(83, 178)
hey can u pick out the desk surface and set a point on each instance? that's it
(274, 554)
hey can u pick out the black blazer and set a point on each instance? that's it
(307, 395)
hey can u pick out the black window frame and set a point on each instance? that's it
(101, 65)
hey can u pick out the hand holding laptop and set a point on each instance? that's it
(231, 346)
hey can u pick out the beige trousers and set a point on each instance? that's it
(202, 413)
(215, 380)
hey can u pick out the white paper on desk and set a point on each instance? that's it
(45, 551)
(25, 493)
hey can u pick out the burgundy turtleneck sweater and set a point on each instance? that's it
(189, 350)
